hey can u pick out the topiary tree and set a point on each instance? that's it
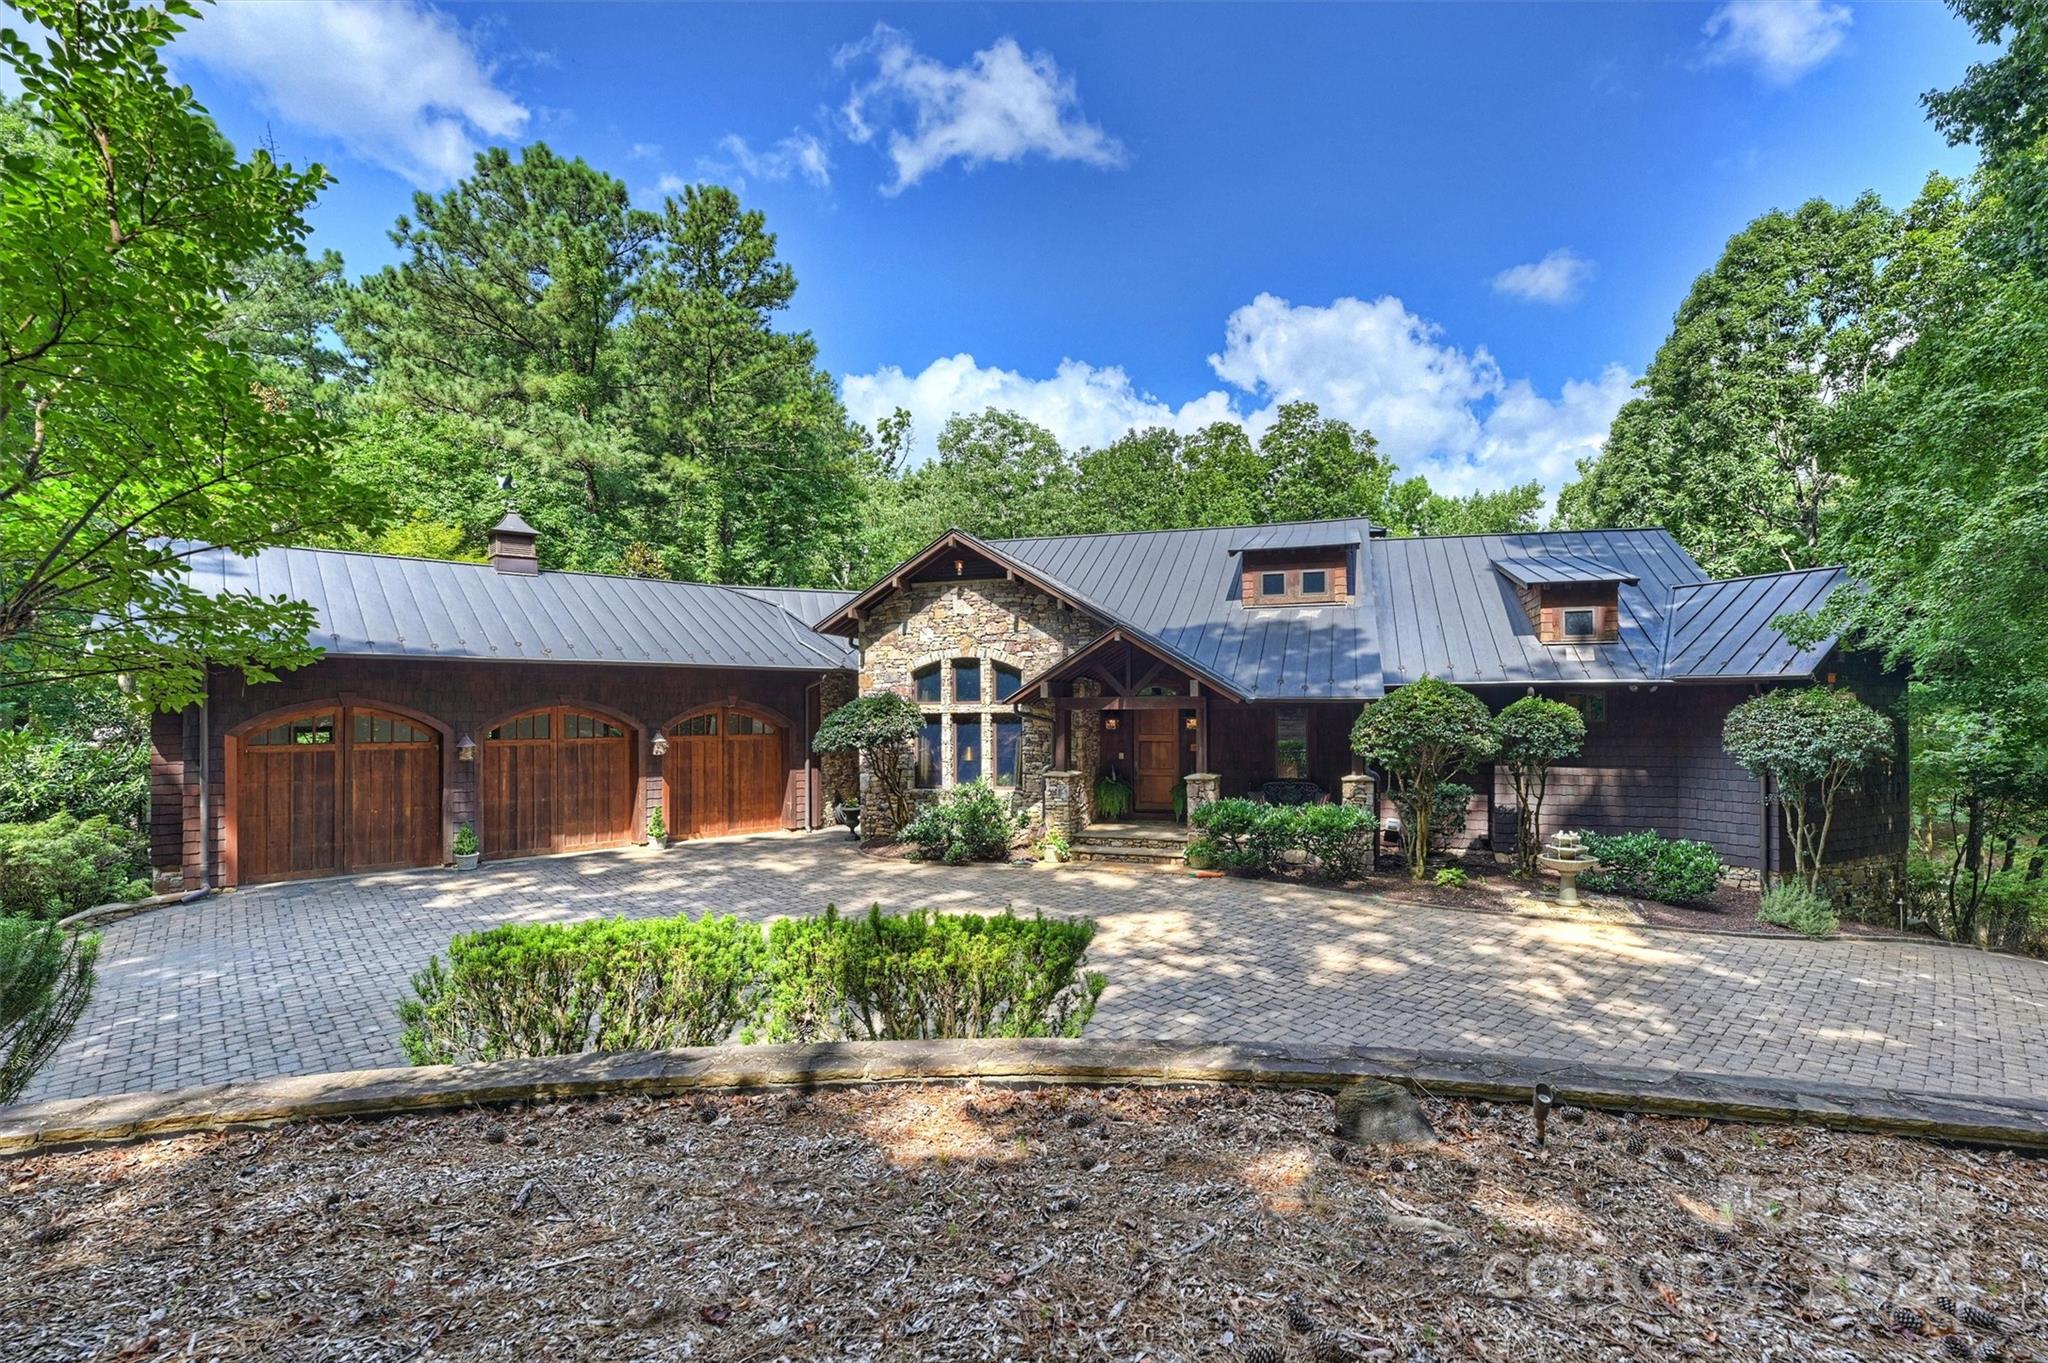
(1532, 735)
(1421, 734)
(1807, 744)
(876, 729)
(46, 979)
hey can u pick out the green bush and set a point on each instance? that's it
(608, 985)
(64, 864)
(2015, 910)
(877, 730)
(927, 976)
(1339, 837)
(1644, 865)
(1449, 813)
(1420, 734)
(968, 823)
(1113, 797)
(1452, 878)
(1789, 904)
(46, 979)
(1247, 836)
(78, 748)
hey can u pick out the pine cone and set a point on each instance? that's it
(1330, 1347)
(1635, 1144)
(1299, 1320)
(1264, 1353)
(1945, 1305)
(1991, 1350)
(1906, 1318)
(1969, 1313)
(1955, 1346)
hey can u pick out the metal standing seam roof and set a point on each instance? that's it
(1299, 535)
(1557, 567)
(384, 606)
(1721, 630)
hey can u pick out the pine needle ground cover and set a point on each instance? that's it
(950, 1222)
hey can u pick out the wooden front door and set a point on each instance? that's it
(1156, 744)
(333, 790)
(726, 773)
(556, 780)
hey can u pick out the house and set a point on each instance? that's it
(558, 711)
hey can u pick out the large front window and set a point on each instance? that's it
(967, 680)
(930, 763)
(1009, 748)
(970, 732)
(967, 754)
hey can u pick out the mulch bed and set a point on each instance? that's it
(955, 1222)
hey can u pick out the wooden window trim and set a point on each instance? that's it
(1336, 580)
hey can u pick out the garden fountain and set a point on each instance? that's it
(1566, 855)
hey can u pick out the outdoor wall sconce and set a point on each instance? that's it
(1109, 722)
(660, 743)
(959, 567)
(1190, 722)
(465, 751)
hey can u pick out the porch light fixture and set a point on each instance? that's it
(1109, 721)
(1190, 722)
(959, 567)
(660, 743)
(465, 751)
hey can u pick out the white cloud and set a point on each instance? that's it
(1557, 278)
(398, 84)
(1783, 39)
(800, 153)
(1436, 409)
(1003, 106)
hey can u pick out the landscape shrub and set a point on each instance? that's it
(46, 979)
(1533, 735)
(1113, 796)
(1449, 813)
(529, 989)
(1809, 744)
(877, 730)
(1452, 878)
(927, 976)
(1247, 836)
(1789, 904)
(1644, 865)
(2014, 910)
(1420, 734)
(64, 864)
(968, 823)
(1339, 837)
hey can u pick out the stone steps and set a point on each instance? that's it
(1140, 845)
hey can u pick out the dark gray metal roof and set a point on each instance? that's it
(384, 606)
(1299, 535)
(1722, 630)
(1559, 567)
(810, 605)
(1182, 588)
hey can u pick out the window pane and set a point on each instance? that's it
(1009, 745)
(748, 724)
(1314, 582)
(696, 725)
(967, 753)
(1272, 584)
(319, 729)
(928, 754)
(928, 683)
(967, 679)
(543, 725)
(1578, 622)
(1008, 679)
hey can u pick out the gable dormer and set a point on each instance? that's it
(1568, 598)
(1294, 565)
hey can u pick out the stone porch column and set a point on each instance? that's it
(1358, 792)
(1204, 788)
(1059, 807)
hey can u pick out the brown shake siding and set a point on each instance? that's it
(468, 697)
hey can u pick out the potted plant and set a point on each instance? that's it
(1200, 855)
(1053, 848)
(465, 848)
(657, 828)
(849, 814)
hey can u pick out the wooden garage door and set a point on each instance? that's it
(725, 773)
(333, 790)
(556, 780)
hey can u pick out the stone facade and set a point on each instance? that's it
(996, 621)
(839, 771)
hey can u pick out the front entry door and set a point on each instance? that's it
(1158, 759)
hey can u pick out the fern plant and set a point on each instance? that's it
(1112, 797)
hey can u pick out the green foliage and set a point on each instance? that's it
(1201, 853)
(1339, 837)
(657, 826)
(1056, 842)
(46, 979)
(1420, 735)
(928, 976)
(64, 864)
(2001, 104)
(1791, 904)
(1985, 778)
(970, 822)
(80, 748)
(1113, 796)
(1244, 835)
(530, 989)
(1450, 809)
(1452, 878)
(1180, 801)
(1809, 743)
(1532, 735)
(128, 429)
(1644, 865)
(465, 841)
(878, 729)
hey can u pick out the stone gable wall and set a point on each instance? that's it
(994, 619)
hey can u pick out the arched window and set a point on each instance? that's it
(696, 726)
(744, 723)
(928, 680)
(967, 681)
(1008, 679)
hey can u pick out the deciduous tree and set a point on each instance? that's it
(1421, 735)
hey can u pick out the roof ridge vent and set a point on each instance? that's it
(512, 546)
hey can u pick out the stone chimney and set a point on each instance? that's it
(512, 545)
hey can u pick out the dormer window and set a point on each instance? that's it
(1581, 622)
(1568, 598)
(1294, 577)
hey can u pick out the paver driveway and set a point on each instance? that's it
(304, 978)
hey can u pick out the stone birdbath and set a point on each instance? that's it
(1566, 855)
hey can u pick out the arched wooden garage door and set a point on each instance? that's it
(725, 772)
(556, 780)
(331, 790)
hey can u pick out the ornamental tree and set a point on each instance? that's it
(876, 729)
(1532, 735)
(1806, 745)
(1421, 735)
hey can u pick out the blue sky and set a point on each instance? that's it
(1110, 214)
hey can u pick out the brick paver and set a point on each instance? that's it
(304, 978)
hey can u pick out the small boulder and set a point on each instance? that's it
(1375, 1112)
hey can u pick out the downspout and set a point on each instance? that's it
(206, 788)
